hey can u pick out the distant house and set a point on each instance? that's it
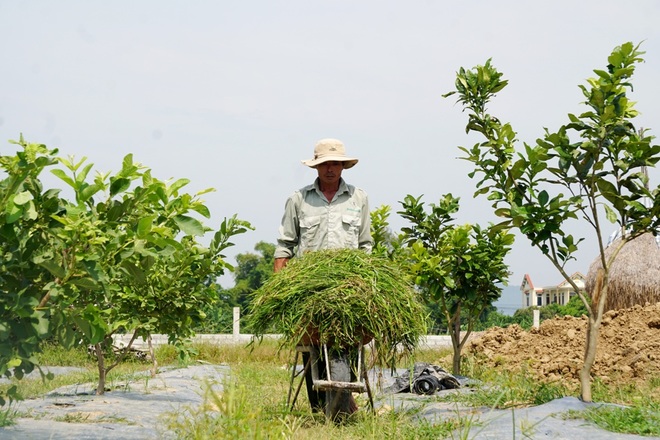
(542, 296)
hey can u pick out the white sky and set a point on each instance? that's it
(233, 94)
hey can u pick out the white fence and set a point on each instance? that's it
(429, 341)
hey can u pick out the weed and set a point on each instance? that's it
(640, 420)
(75, 417)
(55, 354)
(226, 415)
(7, 416)
(654, 382)
(527, 428)
(86, 417)
(505, 389)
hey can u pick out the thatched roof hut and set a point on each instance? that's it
(634, 275)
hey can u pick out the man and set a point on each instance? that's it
(328, 214)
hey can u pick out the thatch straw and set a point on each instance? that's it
(340, 297)
(634, 275)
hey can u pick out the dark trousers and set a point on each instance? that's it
(316, 398)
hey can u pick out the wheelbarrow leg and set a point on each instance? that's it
(365, 376)
(290, 404)
(313, 370)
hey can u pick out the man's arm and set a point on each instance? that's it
(280, 263)
(289, 234)
(365, 240)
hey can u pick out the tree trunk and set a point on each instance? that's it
(590, 347)
(100, 358)
(455, 331)
(597, 308)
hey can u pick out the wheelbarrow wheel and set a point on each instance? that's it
(338, 402)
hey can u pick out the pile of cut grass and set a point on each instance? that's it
(337, 297)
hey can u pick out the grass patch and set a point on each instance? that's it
(640, 420)
(253, 401)
(509, 391)
(630, 394)
(81, 417)
(54, 354)
(7, 416)
(253, 405)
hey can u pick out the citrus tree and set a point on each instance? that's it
(129, 246)
(25, 230)
(386, 242)
(125, 254)
(459, 268)
(591, 168)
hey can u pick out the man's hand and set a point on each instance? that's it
(279, 264)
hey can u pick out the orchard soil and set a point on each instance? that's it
(628, 349)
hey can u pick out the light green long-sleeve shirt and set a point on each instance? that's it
(312, 223)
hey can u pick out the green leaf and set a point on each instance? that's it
(31, 211)
(160, 192)
(13, 213)
(127, 164)
(202, 209)
(85, 283)
(610, 214)
(204, 191)
(177, 185)
(116, 210)
(119, 185)
(22, 198)
(13, 363)
(140, 248)
(41, 325)
(54, 268)
(606, 188)
(84, 326)
(67, 336)
(89, 191)
(189, 225)
(144, 226)
(62, 175)
(136, 273)
(80, 178)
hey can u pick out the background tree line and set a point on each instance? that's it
(253, 269)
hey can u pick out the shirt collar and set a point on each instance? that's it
(343, 186)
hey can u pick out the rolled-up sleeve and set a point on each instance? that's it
(289, 231)
(365, 240)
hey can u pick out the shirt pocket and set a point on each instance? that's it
(351, 225)
(309, 232)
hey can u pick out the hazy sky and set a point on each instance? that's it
(233, 94)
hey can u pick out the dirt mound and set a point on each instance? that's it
(628, 347)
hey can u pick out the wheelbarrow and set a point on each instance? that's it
(333, 375)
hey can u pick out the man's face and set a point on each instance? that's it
(330, 172)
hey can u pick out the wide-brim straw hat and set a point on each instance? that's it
(327, 150)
